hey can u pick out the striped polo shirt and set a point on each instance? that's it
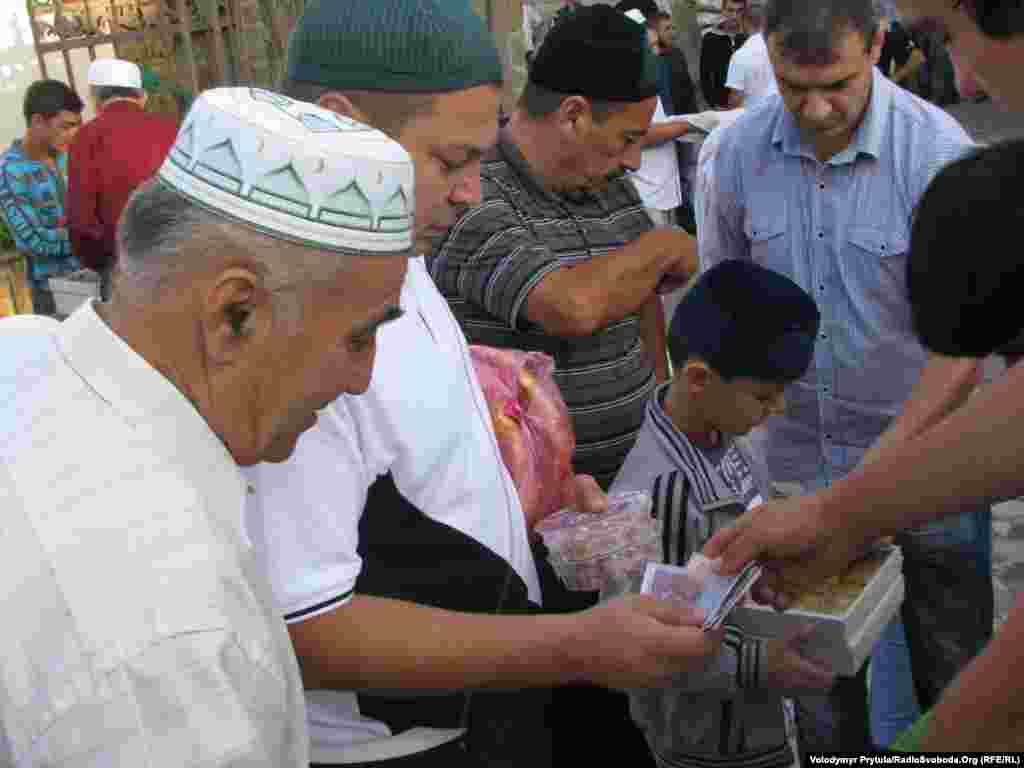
(497, 252)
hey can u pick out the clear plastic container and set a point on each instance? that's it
(603, 552)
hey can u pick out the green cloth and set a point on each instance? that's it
(910, 739)
(402, 46)
(153, 84)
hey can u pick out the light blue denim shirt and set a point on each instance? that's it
(840, 229)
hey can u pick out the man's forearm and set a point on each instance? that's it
(380, 644)
(944, 386)
(971, 457)
(660, 133)
(983, 709)
(586, 297)
(652, 321)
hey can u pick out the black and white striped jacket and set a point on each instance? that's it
(720, 717)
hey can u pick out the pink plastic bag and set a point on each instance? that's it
(532, 425)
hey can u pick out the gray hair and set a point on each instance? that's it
(108, 92)
(163, 236)
(808, 30)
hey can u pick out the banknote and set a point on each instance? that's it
(698, 585)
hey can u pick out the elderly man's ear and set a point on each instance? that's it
(238, 315)
(340, 104)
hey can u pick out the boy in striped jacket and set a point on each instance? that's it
(737, 339)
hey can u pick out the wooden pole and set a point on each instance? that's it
(35, 38)
(220, 61)
(241, 46)
(185, 27)
(88, 22)
(58, 10)
(115, 28)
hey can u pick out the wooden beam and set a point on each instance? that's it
(75, 43)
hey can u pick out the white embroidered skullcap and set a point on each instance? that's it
(295, 171)
(115, 72)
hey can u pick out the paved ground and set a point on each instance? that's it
(988, 123)
(1007, 554)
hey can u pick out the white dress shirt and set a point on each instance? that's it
(139, 629)
(424, 420)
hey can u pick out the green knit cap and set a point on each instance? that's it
(406, 46)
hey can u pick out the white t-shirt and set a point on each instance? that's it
(425, 420)
(139, 626)
(657, 181)
(750, 71)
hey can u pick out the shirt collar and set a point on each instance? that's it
(152, 406)
(120, 105)
(509, 151)
(17, 152)
(867, 139)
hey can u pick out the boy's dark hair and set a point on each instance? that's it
(809, 30)
(996, 18)
(49, 98)
(744, 320)
(108, 92)
(964, 305)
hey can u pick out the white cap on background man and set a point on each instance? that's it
(115, 72)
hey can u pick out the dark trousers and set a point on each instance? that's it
(837, 721)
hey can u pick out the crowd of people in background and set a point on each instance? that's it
(255, 506)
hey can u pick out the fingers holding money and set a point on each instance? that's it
(639, 641)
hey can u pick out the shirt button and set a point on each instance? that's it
(821, 286)
(821, 234)
(821, 186)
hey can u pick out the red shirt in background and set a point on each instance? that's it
(111, 156)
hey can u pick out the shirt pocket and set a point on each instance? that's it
(876, 271)
(768, 243)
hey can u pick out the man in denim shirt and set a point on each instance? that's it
(33, 182)
(820, 184)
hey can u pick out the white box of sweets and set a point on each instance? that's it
(73, 289)
(849, 612)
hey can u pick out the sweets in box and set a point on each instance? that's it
(850, 611)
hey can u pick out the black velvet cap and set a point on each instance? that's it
(599, 53)
(745, 320)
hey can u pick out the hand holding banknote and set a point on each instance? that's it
(699, 585)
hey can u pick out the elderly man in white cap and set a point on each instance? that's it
(139, 627)
(111, 156)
